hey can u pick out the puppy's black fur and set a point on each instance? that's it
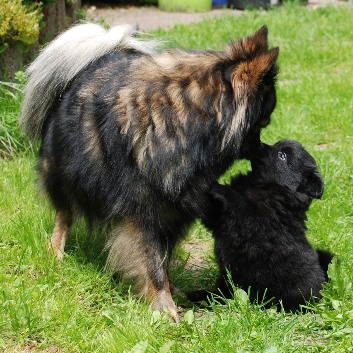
(259, 228)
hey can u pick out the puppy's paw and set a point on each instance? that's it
(197, 295)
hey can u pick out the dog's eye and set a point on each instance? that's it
(282, 156)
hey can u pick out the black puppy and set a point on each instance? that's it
(259, 228)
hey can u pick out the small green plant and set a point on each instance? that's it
(335, 308)
(19, 22)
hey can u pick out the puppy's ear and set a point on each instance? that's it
(218, 196)
(215, 207)
(312, 185)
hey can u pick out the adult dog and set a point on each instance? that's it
(259, 228)
(135, 136)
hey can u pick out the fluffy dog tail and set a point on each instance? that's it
(62, 59)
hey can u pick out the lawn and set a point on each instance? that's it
(75, 306)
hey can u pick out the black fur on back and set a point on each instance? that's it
(259, 228)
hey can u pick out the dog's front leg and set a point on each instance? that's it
(160, 296)
(158, 289)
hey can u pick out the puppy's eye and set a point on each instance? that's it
(282, 156)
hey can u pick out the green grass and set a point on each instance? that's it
(76, 307)
(12, 140)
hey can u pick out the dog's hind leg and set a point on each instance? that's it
(63, 221)
(51, 183)
(139, 257)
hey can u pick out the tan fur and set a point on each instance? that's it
(255, 43)
(91, 136)
(177, 68)
(122, 108)
(176, 64)
(60, 234)
(237, 120)
(248, 74)
(44, 169)
(162, 300)
(127, 254)
(88, 90)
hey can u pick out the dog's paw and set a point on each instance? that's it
(163, 302)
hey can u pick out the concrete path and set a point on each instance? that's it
(150, 18)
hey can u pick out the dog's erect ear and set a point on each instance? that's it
(247, 75)
(257, 42)
(312, 185)
(248, 46)
(250, 60)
